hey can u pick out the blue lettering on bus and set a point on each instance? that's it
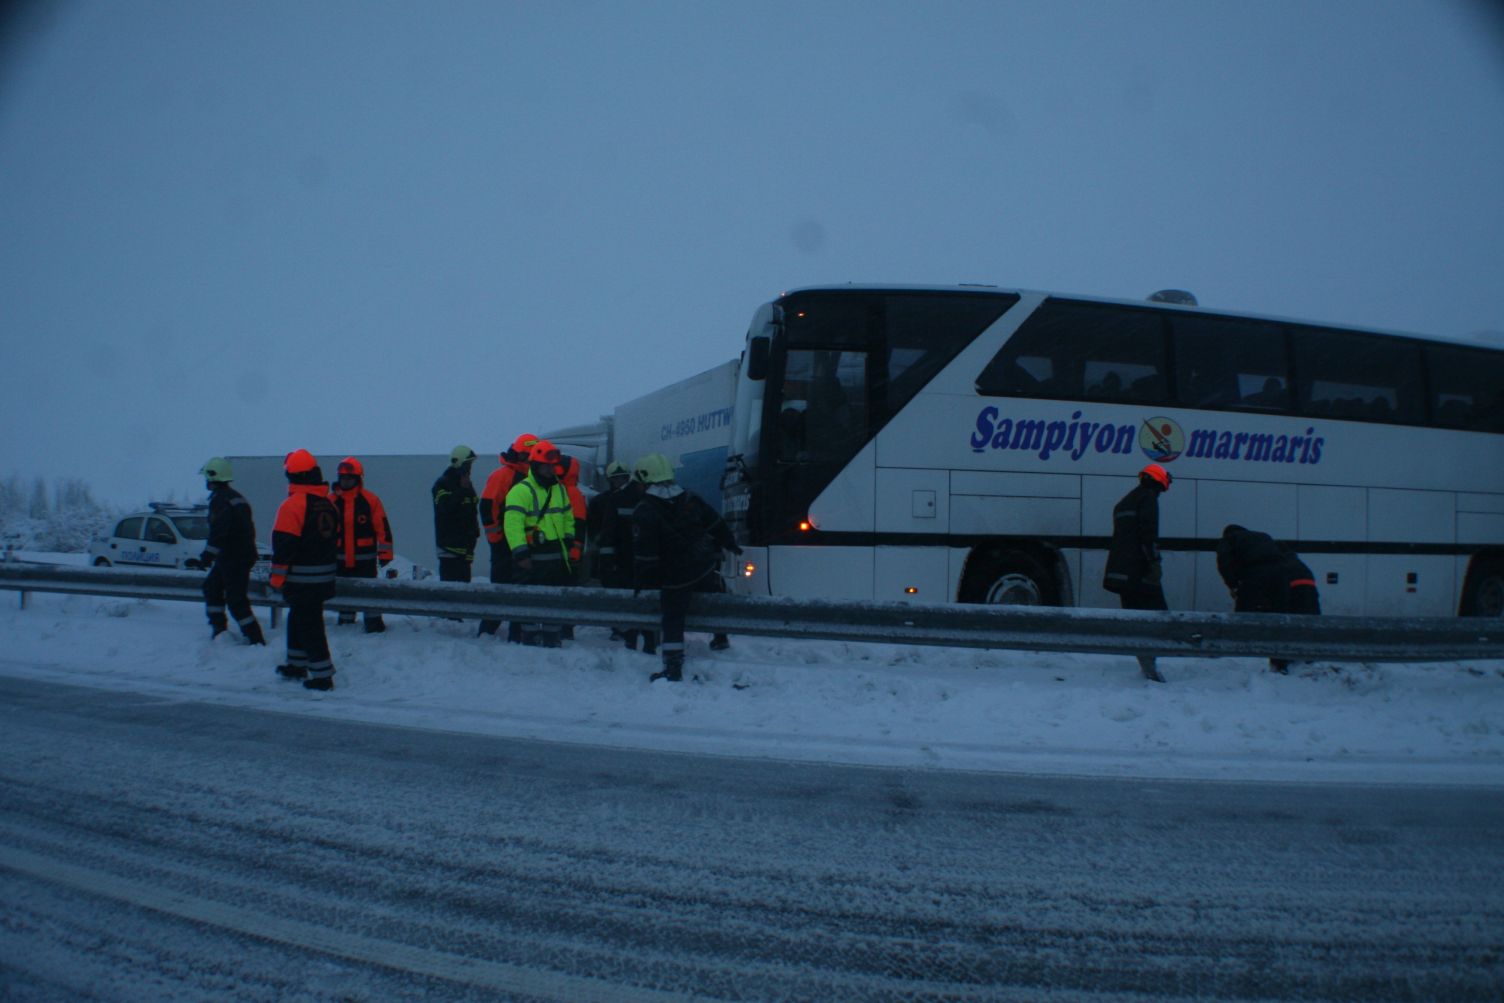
(1160, 438)
(1046, 438)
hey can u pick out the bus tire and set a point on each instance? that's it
(1009, 578)
(1484, 593)
(100, 562)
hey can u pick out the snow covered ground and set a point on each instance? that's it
(815, 700)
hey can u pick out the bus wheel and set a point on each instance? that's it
(1484, 595)
(1009, 578)
(100, 562)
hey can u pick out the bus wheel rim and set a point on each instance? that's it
(1014, 590)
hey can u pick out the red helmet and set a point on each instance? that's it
(521, 447)
(350, 465)
(543, 451)
(299, 461)
(1157, 473)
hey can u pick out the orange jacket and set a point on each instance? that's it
(304, 541)
(493, 500)
(570, 478)
(365, 532)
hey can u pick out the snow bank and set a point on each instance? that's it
(816, 701)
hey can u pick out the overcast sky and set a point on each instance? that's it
(382, 227)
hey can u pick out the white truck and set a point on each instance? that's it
(689, 422)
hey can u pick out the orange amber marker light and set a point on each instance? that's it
(911, 590)
(805, 526)
(749, 569)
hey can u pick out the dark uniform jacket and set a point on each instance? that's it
(610, 522)
(232, 533)
(1266, 577)
(365, 532)
(1135, 541)
(677, 541)
(456, 524)
(1253, 566)
(305, 542)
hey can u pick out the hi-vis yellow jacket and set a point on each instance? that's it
(539, 523)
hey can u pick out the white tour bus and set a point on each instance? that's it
(968, 444)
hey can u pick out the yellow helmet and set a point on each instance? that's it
(217, 471)
(653, 468)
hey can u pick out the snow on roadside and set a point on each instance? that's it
(816, 700)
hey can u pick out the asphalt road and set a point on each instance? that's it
(164, 850)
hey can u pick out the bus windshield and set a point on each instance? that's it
(840, 365)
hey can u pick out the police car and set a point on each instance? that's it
(167, 536)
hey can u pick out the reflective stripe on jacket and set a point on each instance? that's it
(305, 541)
(455, 524)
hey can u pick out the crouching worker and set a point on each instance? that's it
(365, 533)
(1265, 578)
(228, 554)
(304, 548)
(677, 540)
(540, 531)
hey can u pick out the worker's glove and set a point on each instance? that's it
(575, 550)
(277, 581)
(1154, 574)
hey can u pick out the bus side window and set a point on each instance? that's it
(1228, 362)
(1467, 388)
(1348, 375)
(1082, 351)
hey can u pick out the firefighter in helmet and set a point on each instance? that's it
(365, 533)
(1133, 569)
(228, 553)
(493, 503)
(455, 523)
(610, 522)
(677, 540)
(540, 528)
(305, 547)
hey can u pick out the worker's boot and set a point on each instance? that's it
(673, 667)
(1149, 669)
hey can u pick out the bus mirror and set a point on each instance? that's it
(757, 358)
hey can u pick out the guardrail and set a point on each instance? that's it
(1098, 631)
